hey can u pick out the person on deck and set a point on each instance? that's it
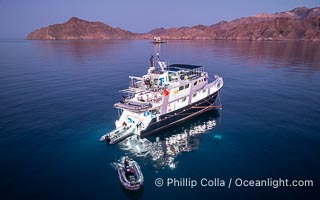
(151, 61)
(123, 100)
(124, 124)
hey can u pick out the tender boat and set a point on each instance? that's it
(130, 175)
(117, 135)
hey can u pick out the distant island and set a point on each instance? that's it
(298, 24)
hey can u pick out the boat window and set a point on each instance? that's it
(204, 90)
(205, 79)
(195, 94)
(186, 86)
(155, 81)
(181, 88)
(173, 77)
(195, 83)
(184, 99)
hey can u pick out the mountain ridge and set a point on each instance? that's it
(300, 23)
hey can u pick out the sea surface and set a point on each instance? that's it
(56, 100)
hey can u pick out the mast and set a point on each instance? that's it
(156, 55)
(156, 51)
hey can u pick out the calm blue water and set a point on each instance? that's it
(56, 100)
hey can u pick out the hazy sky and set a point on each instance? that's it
(20, 17)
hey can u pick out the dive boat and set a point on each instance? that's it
(130, 175)
(157, 40)
(166, 96)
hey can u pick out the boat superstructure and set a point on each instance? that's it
(165, 96)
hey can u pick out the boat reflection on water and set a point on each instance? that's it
(162, 149)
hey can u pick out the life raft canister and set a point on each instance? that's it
(165, 92)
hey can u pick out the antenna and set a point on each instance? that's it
(167, 63)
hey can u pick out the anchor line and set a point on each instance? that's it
(219, 100)
(220, 118)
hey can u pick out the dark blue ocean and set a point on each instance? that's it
(56, 100)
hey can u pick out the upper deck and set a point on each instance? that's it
(187, 72)
(149, 90)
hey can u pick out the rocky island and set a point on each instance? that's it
(298, 24)
(76, 28)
